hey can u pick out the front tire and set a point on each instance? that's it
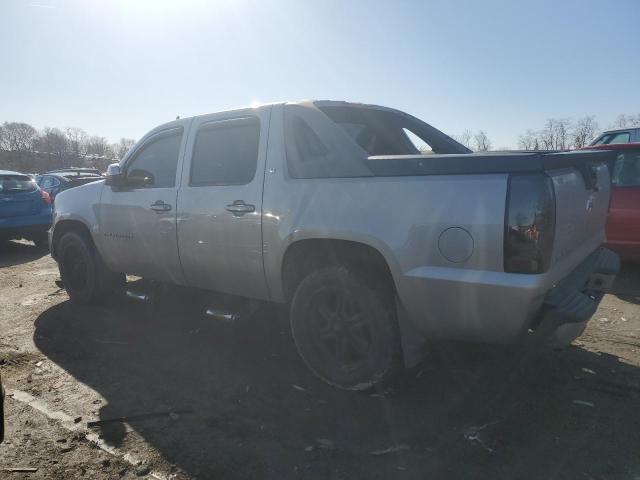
(345, 328)
(84, 275)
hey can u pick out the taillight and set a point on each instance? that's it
(530, 223)
(45, 197)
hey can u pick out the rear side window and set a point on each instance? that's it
(616, 137)
(626, 169)
(158, 160)
(226, 152)
(378, 132)
(307, 143)
(16, 184)
(49, 182)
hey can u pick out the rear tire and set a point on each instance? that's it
(84, 275)
(345, 328)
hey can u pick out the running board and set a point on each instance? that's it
(222, 315)
(138, 296)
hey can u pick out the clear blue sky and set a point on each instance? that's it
(118, 68)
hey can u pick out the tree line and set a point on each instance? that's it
(27, 149)
(556, 134)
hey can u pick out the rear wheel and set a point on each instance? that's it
(84, 275)
(345, 328)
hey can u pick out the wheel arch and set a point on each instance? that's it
(65, 226)
(303, 255)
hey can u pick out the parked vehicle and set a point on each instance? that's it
(623, 222)
(25, 209)
(620, 135)
(331, 208)
(1, 411)
(56, 181)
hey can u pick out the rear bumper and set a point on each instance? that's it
(27, 226)
(572, 302)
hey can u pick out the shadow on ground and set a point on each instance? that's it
(250, 421)
(16, 253)
(626, 286)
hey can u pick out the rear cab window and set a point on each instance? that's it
(225, 152)
(12, 184)
(626, 169)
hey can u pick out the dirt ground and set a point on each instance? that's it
(244, 405)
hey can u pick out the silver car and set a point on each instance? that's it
(378, 231)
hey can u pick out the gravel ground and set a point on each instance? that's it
(244, 406)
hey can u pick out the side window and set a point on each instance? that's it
(609, 138)
(157, 162)
(226, 153)
(419, 144)
(626, 169)
(46, 182)
(309, 146)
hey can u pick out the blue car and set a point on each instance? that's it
(25, 209)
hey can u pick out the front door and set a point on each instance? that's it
(220, 203)
(137, 222)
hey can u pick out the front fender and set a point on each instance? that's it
(76, 205)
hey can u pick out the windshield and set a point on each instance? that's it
(16, 184)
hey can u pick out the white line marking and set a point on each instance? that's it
(66, 422)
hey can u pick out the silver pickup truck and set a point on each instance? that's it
(379, 232)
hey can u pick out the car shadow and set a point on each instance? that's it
(626, 286)
(257, 412)
(19, 252)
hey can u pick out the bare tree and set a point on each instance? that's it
(76, 138)
(97, 146)
(123, 146)
(481, 141)
(18, 137)
(529, 141)
(583, 131)
(464, 138)
(53, 143)
(624, 121)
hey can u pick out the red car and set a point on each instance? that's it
(623, 223)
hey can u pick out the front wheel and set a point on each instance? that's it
(84, 275)
(345, 328)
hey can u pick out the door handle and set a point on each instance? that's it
(239, 208)
(160, 206)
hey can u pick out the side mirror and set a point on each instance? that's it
(114, 175)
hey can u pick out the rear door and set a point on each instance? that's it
(137, 225)
(623, 226)
(220, 203)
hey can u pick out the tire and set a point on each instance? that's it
(41, 241)
(84, 275)
(345, 329)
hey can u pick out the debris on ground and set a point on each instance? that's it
(20, 469)
(298, 387)
(325, 443)
(473, 435)
(584, 403)
(392, 449)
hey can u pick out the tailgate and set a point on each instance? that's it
(582, 200)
